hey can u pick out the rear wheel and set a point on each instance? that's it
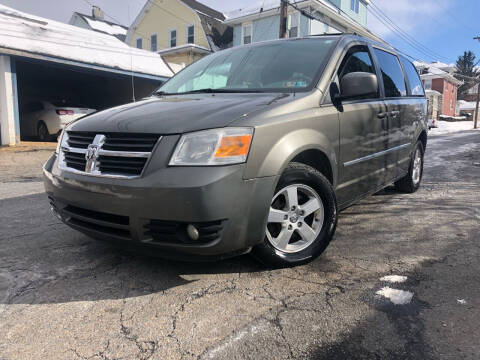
(42, 132)
(302, 218)
(411, 182)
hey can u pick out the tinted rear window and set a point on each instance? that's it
(392, 74)
(415, 84)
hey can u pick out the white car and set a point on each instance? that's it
(45, 120)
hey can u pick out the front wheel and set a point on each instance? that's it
(411, 182)
(302, 218)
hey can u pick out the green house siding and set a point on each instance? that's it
(268, 29)
(345, 6)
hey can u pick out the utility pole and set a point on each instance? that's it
(283, 18)
(475, 122)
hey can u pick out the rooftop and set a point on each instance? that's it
(199, 7)
(104, 26)
(185, 47)
(24, 34)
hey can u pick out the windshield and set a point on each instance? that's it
(283, 66)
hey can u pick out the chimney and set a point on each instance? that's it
(97, 13)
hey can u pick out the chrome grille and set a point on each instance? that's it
(80, 140)
(127, 165)
(121, 155)
(75, 160)
(130, 142)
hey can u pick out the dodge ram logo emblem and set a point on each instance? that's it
(92, 154)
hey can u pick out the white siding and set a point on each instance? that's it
(7, 104)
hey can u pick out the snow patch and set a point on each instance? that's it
(448, 127)
(105, 27)
(394, 278)
(398, 297)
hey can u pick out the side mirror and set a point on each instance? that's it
(357, 84)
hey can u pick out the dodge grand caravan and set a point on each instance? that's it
(251, 149)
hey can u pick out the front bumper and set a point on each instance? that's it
(153, 212)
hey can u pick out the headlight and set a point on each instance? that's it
(213, 147)
(59, 142)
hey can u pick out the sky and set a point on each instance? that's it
(442, 29)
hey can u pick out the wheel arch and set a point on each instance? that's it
(423, 138)
(306, 146)
(318, 160)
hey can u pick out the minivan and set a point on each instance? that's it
(254, 149)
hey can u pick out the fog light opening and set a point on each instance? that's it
(192, 232)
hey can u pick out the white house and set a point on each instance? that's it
(305, 17)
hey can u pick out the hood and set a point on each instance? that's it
(178, 114)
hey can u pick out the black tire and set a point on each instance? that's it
(297, 173)
(42, 132)
(407, 184)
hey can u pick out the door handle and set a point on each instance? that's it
(382, 115)
(394, 113)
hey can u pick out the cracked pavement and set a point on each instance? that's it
(65, 296)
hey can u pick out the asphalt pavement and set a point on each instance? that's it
(401, 280)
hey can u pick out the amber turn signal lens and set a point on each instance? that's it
(234, 146)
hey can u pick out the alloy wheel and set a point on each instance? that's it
(295, 219)
(417, 167)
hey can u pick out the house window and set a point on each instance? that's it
(247, 34)
(451, 104)
(190, 34)
(153, 42)
(139, 43)
(293, 24)
(354, 5)
(173, 38)
(427, 84)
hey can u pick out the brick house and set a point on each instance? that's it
(471, 94)
(439, 77)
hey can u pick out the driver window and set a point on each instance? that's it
(357, 59)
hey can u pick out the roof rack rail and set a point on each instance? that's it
(329, 34)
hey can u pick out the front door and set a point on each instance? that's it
(363, 135)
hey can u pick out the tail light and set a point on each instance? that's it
(64, 112)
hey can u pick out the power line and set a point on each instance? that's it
(406, 40)
(401, 36)
(387, 18)
(400, 51)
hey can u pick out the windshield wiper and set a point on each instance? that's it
(209, 91)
